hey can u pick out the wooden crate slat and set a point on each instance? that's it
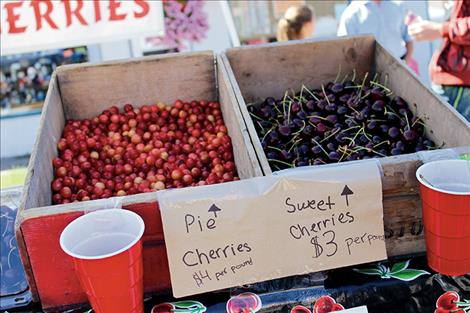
(40, 172)
(88, 89)
(236, 126)
(269, 70)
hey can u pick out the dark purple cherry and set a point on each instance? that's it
(273, 136)
(337, 88)
(272, 155)
(419, 147)
(315, 118)
(378, 106)
(342, 110)
(396, 151)
(405, 112)
(322, 104)
(304, 149)
(393, 132)
(331, 107)
(353, 103)
(371, 125)
(308, 130)
(376, 94)
(363, 139)
(376, 139)
(286, 155)
(316, 150)
(428, 143)
(333, 156)
(295, 107)
(400, 145)
(332, 118)
(399, 102)
(270, 101)
(318, 161)
(310, 105)
(331, 146)
(302, 115)
(284, 130)
(350, 122)
(409, 135)
(344, 98)
(298, 122)
(321, 128)
(384, 128)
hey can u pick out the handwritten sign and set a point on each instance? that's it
(264, 228)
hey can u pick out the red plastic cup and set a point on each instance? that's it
(445, 200)
(106, 248)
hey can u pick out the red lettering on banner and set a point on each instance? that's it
(12, 18)
(113, 15)
(96, 4)
(144, 6)
(69, 12)
(46, 15)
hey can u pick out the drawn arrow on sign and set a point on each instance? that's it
(214, 209)
(346, 192)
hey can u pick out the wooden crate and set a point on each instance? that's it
(257, 72)
(83, 91)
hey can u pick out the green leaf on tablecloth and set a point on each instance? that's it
(368, 271)
(465, 156)
(397, 267)
(189, 306)
(408, 274)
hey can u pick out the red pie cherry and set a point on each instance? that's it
(246, 302)
(324, 304)
(300, 309)
(337, 307)
(163, 308)
(447, 300)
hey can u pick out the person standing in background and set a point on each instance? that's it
(298, 23)
(450, 66)
(384, 19)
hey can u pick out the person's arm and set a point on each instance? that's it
(457, 30)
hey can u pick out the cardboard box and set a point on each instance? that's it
(83, 91)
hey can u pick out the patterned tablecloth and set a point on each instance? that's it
(400, 286)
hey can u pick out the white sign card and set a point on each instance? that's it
(359, 309)
(28, 26)
(264, 228)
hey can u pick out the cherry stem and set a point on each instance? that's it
(281, 162)
(311, 93)
(339, 73)
(324, 93)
